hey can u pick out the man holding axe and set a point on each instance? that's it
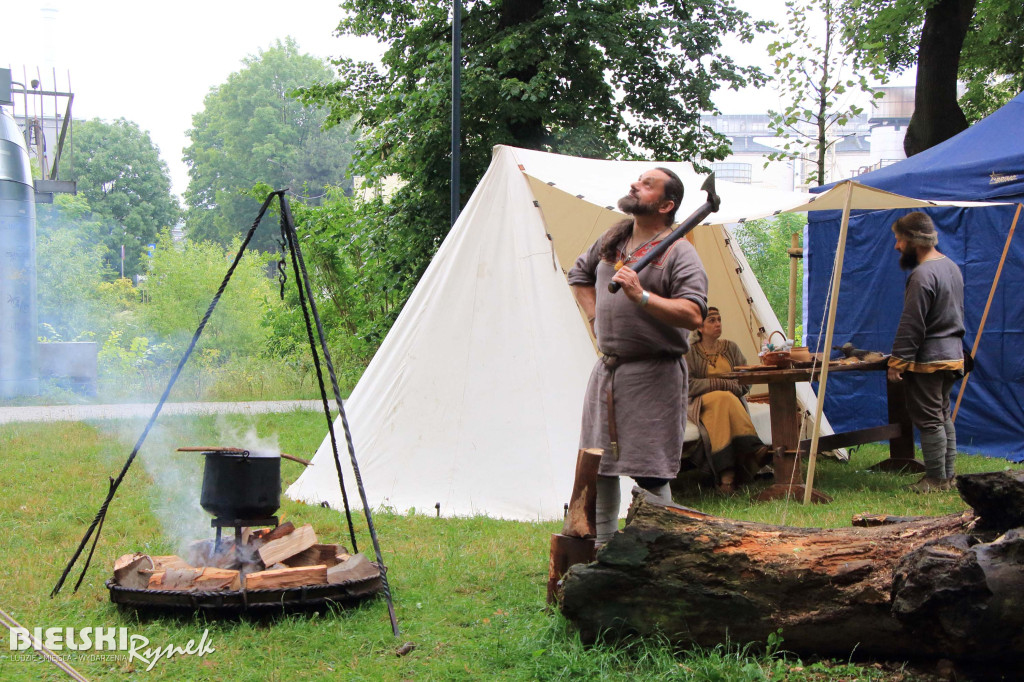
(635, 406)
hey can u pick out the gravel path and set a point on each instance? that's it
(74, 413)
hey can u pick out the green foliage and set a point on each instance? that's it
(608, 78)
(70, 268)
(126, 188)
(764, 242)
(344, 243)
(887, 33)
(811, 65)
(183, 279)
(252, 130)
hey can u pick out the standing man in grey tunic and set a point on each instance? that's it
(928, 350)
(635, 406)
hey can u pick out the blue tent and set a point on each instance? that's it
(983, 163)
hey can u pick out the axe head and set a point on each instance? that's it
(713, 198)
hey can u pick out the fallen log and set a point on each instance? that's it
(925, 588)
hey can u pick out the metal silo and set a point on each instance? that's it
(18, 367)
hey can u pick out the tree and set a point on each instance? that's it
(975, 41)
(69, 263)
(183, 280)
(810, 65)
(610, 78)
(764, 243)
(251, 131)
(128, 189)
(343, 243)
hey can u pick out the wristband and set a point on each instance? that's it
(645, 297)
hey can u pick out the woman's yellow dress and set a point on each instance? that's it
(723, 414)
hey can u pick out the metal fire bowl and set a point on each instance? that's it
(233, 602)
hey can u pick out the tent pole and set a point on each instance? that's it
(794, 247)
(988, 304)
(837, 274)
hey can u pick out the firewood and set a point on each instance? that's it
(580, 517)
(317, 554)
(206, 579)
(161, 563)
(356, 568)
(128, 571)
(286, 577)
(212, 579)
(179, 579)
(284, 529)
(283, 548)
(566, 551)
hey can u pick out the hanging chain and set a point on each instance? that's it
(282, 262)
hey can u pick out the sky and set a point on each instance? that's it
(153, 63)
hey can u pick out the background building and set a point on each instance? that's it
(867, 142)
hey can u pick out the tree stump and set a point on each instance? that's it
(930, 587)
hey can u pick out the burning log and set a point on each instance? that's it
(271, 534)
(929, 587)
(277, 558)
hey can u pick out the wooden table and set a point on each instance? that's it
(786, 418)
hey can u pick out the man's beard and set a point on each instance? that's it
(631, 205)
(908, 258)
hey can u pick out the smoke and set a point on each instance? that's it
(178, 476)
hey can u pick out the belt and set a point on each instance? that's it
(613, 362)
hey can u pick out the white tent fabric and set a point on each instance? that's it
(473, 402)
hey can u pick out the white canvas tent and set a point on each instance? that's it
(473, 402)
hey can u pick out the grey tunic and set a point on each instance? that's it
(649, 395)
(931, 330)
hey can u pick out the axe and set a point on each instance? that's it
(703, 211)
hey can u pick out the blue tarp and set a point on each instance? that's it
(983, 163)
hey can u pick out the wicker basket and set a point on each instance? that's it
(777, 358)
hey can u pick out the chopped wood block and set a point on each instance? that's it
(161, 563)
(355, 568)
(566, 551)
(580, 516)
(206, 579)
(317, 554)
(128, 571)
(284, 529)
(181, 579)
(212, 579)
(286, 577)
(278, 550)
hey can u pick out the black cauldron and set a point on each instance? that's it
(241, 485)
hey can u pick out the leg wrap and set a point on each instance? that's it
(933, 446)
(607, 508)
(950, 449)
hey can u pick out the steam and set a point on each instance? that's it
(178, 476)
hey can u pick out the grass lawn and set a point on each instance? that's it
(469, 593)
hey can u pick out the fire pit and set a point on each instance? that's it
(278, 567)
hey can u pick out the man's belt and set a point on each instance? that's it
(613, 362)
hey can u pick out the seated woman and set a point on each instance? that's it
(732, 451)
